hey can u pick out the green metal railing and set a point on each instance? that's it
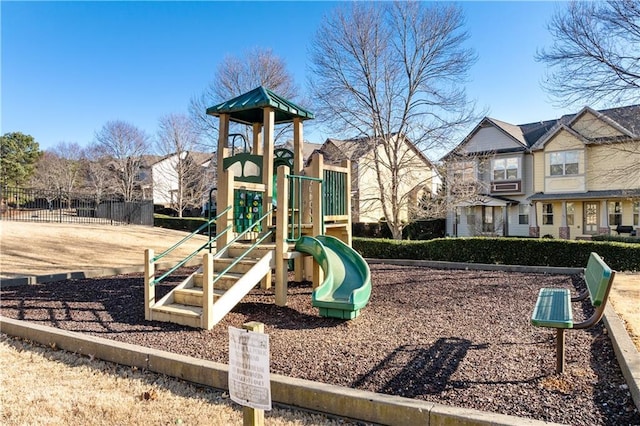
(334, 201)
(208, 244)
(295, 205)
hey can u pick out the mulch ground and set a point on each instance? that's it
(455, 337)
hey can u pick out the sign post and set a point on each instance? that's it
(249, 380)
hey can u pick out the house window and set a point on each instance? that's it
(615, 213)
(464, 171)
(471, 215)
(457, 216)
(523, 214)
(563, 163)
(547, 214)
(636, 213)
(505, 169)
(571, 211)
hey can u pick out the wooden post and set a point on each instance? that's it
(225, 199)
(253, 416)
(298, 141)
(267, 164)
(349, 234)
(256, 149)
(317, 219)
(281, 235)
(149, 289)
(223, 141)
(207, 291)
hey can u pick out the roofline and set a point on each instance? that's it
(542, 142)
(602, 117)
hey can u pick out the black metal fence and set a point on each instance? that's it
(41, 205)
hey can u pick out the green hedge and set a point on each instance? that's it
(507, 251)
(620, 239)
(188, 224)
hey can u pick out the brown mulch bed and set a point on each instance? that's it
(454, 337)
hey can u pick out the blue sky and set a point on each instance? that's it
(69, 67)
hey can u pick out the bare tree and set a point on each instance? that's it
(596, 53)
(98, 177)
(124, 145)
(236, 75)
(60, 169)
(180, 178)
(387, 69)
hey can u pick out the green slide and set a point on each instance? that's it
(347, 280)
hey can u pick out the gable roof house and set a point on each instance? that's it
(586, 178)
(418, 175)
(488, 179)
(520, 175)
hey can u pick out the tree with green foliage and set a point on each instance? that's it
(19, 155)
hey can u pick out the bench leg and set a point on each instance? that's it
(560, 351)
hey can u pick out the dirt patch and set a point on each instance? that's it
(460, 338)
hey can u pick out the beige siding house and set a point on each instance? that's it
(587, 175)
(567, 178)
(418, 177)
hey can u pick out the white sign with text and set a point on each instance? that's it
(249, 381)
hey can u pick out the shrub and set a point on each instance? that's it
(419, 230)
(508, 251)
(620, 239)
(188, 224)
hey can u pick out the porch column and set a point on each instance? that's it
(604, 218)
(564, 229)
(534, 229)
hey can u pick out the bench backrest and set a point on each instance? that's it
(598, 277)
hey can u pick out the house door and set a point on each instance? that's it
(591, 215)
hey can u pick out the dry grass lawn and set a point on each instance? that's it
(40, 386)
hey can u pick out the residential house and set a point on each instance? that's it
(488, 179)
(586, 177)
(418, 176)
(165, 178)
(573, 176)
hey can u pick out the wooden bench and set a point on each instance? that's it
(625, 229)
(553, 307)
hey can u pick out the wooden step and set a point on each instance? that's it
(193, 296)
(241, 267)
(224, 283)
(178, 314)
(238, 249)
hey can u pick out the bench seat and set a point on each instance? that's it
(553, 309)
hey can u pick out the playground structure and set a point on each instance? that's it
(266, 221)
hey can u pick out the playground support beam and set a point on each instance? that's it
(281, 236)
(149, 290)
(298, 141)
(223, 142)
(225, 198)
(267, 163)
(256, 148)
(207, 290)
(317, 220)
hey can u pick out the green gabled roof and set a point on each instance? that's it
(248, 108)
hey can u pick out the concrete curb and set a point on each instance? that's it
(304, 394)
(477, 266)
(626, 352)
